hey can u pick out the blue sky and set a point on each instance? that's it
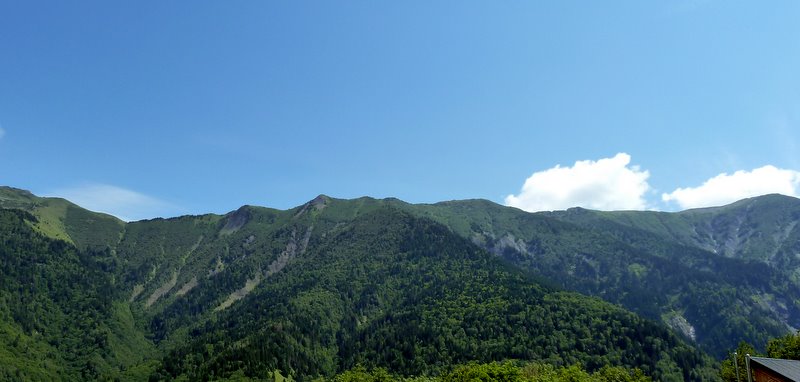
(160, 108)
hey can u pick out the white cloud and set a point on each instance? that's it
(723, 188)
(605, 184)
(125, 204)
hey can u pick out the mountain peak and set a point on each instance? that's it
(11, 193)
(767, 201)
(774, 198)
(320, 200)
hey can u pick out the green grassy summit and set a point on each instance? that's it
(60, 219)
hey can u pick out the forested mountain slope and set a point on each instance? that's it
(762, 228)
(311, 291)
(713, 299)
(394, 290)
(58, 318)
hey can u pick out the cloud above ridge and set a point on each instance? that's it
(123, 203)
(728, 188)
(604, 184)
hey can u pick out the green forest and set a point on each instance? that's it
(659, 265)
(367, 290)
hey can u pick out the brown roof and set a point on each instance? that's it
(786, 367)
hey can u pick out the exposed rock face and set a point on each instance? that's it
(678, 322)
(319, 203)
(507, 242)
(187, 287)
(236, 220)
(162, 290)
(249, 285)
(293, 248)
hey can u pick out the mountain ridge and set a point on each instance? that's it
(316, 289)
(173, 275)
